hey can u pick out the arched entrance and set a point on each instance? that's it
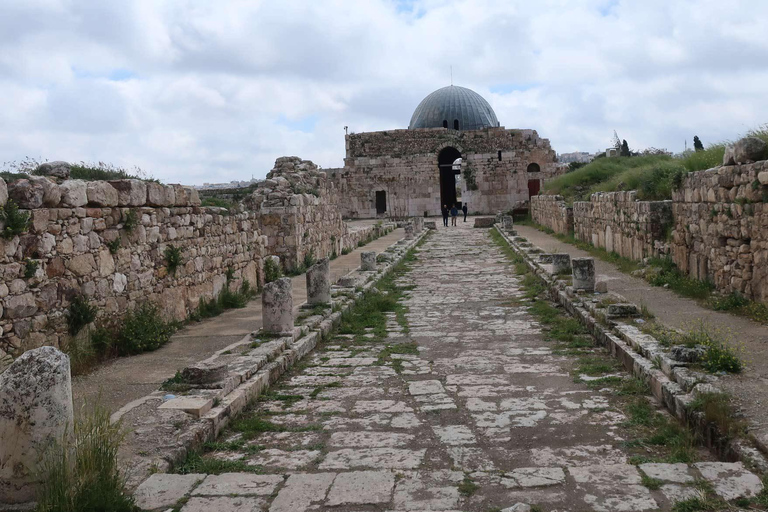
(448, 172)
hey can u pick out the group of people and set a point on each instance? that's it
(454, 212)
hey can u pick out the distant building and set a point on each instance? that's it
(224, 186)
(577, 156)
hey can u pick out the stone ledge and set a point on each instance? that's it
(672, 384)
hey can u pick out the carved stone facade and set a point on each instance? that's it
(397, 172)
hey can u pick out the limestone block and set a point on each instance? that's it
(51, 191)
(26, 193)
(408, 231)
(205, 372)
(561, 263)
(506, 222)
(621, 310)
(484, 222)
(20, 306)
(430, 224)
(193, 197)
(163, 490)
(57, 169)
(368, 260)
(762, 177)
(749, 149)
(180, 193)
(545, 259)
(101, 193)
(35, 409)
(73, 193)
(130, 192)
(277, 306)
(319, 282)
(601, 287)
(3, 192)
(583, 274)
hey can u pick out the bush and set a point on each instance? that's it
(30, 267)
(15, 221)
(79, 314)
(131, 220)
(80, 473)
(272, 271)
(113, 246)
(143, 330)
(309, 258)
(172, 258)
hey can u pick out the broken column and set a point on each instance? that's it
(277, 306)
(368, 260)
(583, 274)
(418, 224)
(561, 263)
(507, 222)
(409, 231)
(35, 410)
(319, 283)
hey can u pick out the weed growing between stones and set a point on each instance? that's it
(195, 462)
(30, 267)
(15, 221)
(130, 220)
(468, 487)
(80, 473)
(226, 299)
(114, 245)
(272, 271)
(172, 258)
(79, 314)
(717, 410)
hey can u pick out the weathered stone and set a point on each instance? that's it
(418, 224)
(160, 195)
(731, 480)
(518, 507)
(205, 372)
(545, 259)
(601, 287)
(194, 405)
(507, 222)
(301, 490)
(762, 177)
(361, 488)
(368, 261)
(319, 283)
(583, 274)
(687, 354)
(164, 490)
(57, 169)
(749, 149)
(181, 194)
(225, 504)
(73, 193)
(130, 192)
(620, 310)
(430, 224)
(82, 264)
(484, 222)
(193, 197)
(51, 191)
(231, 484)
(35, 410)
(561, 263)
(277, 306)
(3, 192)
(101, 193)
(408, 231)
(20, 306)
(26, 193)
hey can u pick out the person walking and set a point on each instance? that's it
(464, 209)
(445, 215)
(454, 213)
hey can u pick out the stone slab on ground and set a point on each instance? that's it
(164, 490)
(361, 488)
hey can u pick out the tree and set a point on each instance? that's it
(697, 145)
(625, 148)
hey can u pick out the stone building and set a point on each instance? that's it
(454, 151)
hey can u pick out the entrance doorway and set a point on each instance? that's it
(381, 202)
(448, 172)
(533, 188)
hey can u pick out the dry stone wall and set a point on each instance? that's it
(617, 222)
(106, 240)
(721, 228)
(552, 212)
(404, 165)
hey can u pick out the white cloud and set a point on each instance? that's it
(194, 91)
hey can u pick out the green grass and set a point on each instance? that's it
(218, 202)
(101, 171)
(226, 299)
(195, 462)
(717, 410)
(468, 487)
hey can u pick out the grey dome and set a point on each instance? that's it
(445, 106)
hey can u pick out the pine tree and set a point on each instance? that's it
(625, 148)
(697, 145)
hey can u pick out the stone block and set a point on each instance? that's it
(160, 195)
(561, 263)
(507, 222)
(430, 224)
(130, 192)
(583, 274)
(73, 193)
(35, 409)
(181, 195)
(749, 149)
(408, 231)
(619, 310)
(26, 193)
(194, 405)
(545, 259)
(601, 287)
(163, 490)
(277, 306)
(484, 222)
(233, 484)
(368, 261)
(362, 488)
(57, 169)
(205, 372)
(319, 283)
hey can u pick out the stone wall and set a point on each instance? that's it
(617, 222)
(72, 239)
(404, 165)
(721, 228)
(552, 212)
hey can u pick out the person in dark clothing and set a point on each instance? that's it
(454, 213)
(445, 215)
(464, 209)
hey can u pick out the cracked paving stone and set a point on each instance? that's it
(224, 504)
(234, 484)
(361, 488)
(389, 458)
(454, 435)
(730, 480)
(301, 491)
(533, 477)
(372, 439)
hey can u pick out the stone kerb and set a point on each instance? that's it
(35, 410)
(319, 283)
(277, 306)
(368, 261)
(583, 274)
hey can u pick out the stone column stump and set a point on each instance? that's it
(418, 224)
(409, 231)
(507, 223)
(277, 306)
(319, 283)
(583, 274)
(561, 262)
(35, 410)
(368, 261)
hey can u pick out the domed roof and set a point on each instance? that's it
(445, 106)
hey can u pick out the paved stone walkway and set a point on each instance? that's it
(118, 382)
(484, 416)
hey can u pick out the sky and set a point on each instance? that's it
(195, 91)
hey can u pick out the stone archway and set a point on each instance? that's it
(445, 164)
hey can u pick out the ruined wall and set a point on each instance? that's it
(619, 223)
(70, 243)
(552, 212)
(721, 228)
(404, 164)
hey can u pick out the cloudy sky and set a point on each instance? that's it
(197, 91)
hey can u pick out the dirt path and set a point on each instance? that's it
(123, 380)
(467, 407)
(749, 389)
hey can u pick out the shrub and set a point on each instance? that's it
(113, 246)
(143, 330)
(80, 473)
(346, 251)
(172, 258)
(15, 221)
(30, 267)
(131, 220)
(309, 258)
(79, 314)
(272, 271)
